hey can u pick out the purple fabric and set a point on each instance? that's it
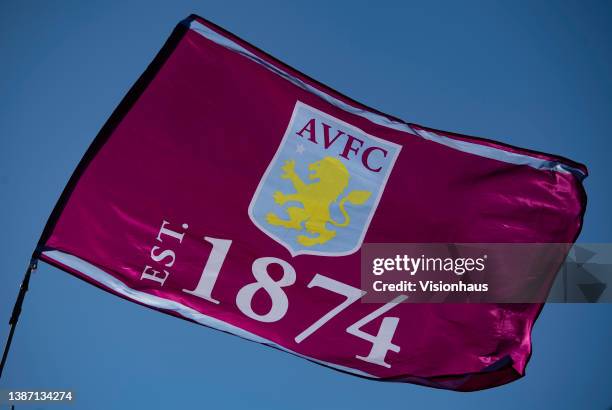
(190, 144)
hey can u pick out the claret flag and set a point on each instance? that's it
(233, 191)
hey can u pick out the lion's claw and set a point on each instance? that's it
(279, 197)
(289, 169)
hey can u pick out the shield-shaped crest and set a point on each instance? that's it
(322, 187)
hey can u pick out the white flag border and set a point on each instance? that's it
(97, 275)
(481, 150)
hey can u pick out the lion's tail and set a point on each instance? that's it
(355, 198)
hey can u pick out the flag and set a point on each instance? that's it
(231, 190)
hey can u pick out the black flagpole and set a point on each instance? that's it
(17, 311)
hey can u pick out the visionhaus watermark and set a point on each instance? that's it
(414, 265)
(487, 273)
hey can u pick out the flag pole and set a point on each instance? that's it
(17, 311)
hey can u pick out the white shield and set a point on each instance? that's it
(322, 187)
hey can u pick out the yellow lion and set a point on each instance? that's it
(316, 199)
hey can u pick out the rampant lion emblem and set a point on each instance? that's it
(316, 199)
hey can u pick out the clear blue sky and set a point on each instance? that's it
(530, 73)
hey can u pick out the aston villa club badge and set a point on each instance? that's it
(321, 189)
